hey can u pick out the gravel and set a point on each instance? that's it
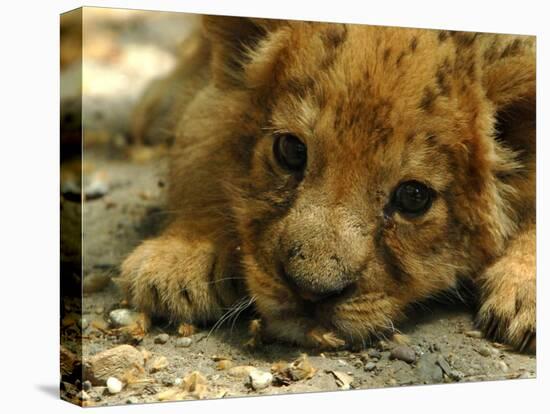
(184, 342)
(374, 353)
(403, 353)
(162, 338)
(369, 366)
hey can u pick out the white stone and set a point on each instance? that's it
(184, 342)
(122, 317)
(114, 385)
(259, 379)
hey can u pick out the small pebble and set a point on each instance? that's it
(343, 379)
(184, 342)
(370, 366)
(114, 385)
(502, 365)
(162, 338)
(158, 364)
(259, 380)
(83, 396)
(150, 389)
(97, 188)
(364, 357)
(122, 317)
(473, 334)
(443, 364)
(178, 381)
(374, 353)
(456, 375)
(83, 323)
(494, 351)
(428, 370)
(484, 351)
(169, 382)
(99, 391)
(86, 385)
(241, 371)
(224, 364)
(403, 353)
(132, 400)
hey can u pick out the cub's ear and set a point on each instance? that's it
(233, 40)
(509, 78)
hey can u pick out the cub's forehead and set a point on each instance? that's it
(352, 55)
(367, 78)
(380, 93)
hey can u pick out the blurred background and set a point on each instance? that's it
(108, 57)
(122, 51)
(111, 187)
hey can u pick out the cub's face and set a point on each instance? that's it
(371, 181)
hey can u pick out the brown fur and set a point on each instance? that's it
(375, 106)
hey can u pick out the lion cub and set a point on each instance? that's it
(333, 174)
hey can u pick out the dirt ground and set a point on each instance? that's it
(125, 187)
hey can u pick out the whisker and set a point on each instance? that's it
(226, 316)
(243, 308)
(223, 279)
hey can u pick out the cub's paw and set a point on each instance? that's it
(303, 332)
(322, 339)
(508, 311)
(167, 277)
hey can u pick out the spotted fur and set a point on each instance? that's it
(375, 106)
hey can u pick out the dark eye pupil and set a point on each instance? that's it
(290, 152)
(413, 198)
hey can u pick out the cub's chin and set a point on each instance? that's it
(347, 318)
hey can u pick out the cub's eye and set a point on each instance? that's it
(412, 198)
(290, 152)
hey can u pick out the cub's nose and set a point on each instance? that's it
(315, 289)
